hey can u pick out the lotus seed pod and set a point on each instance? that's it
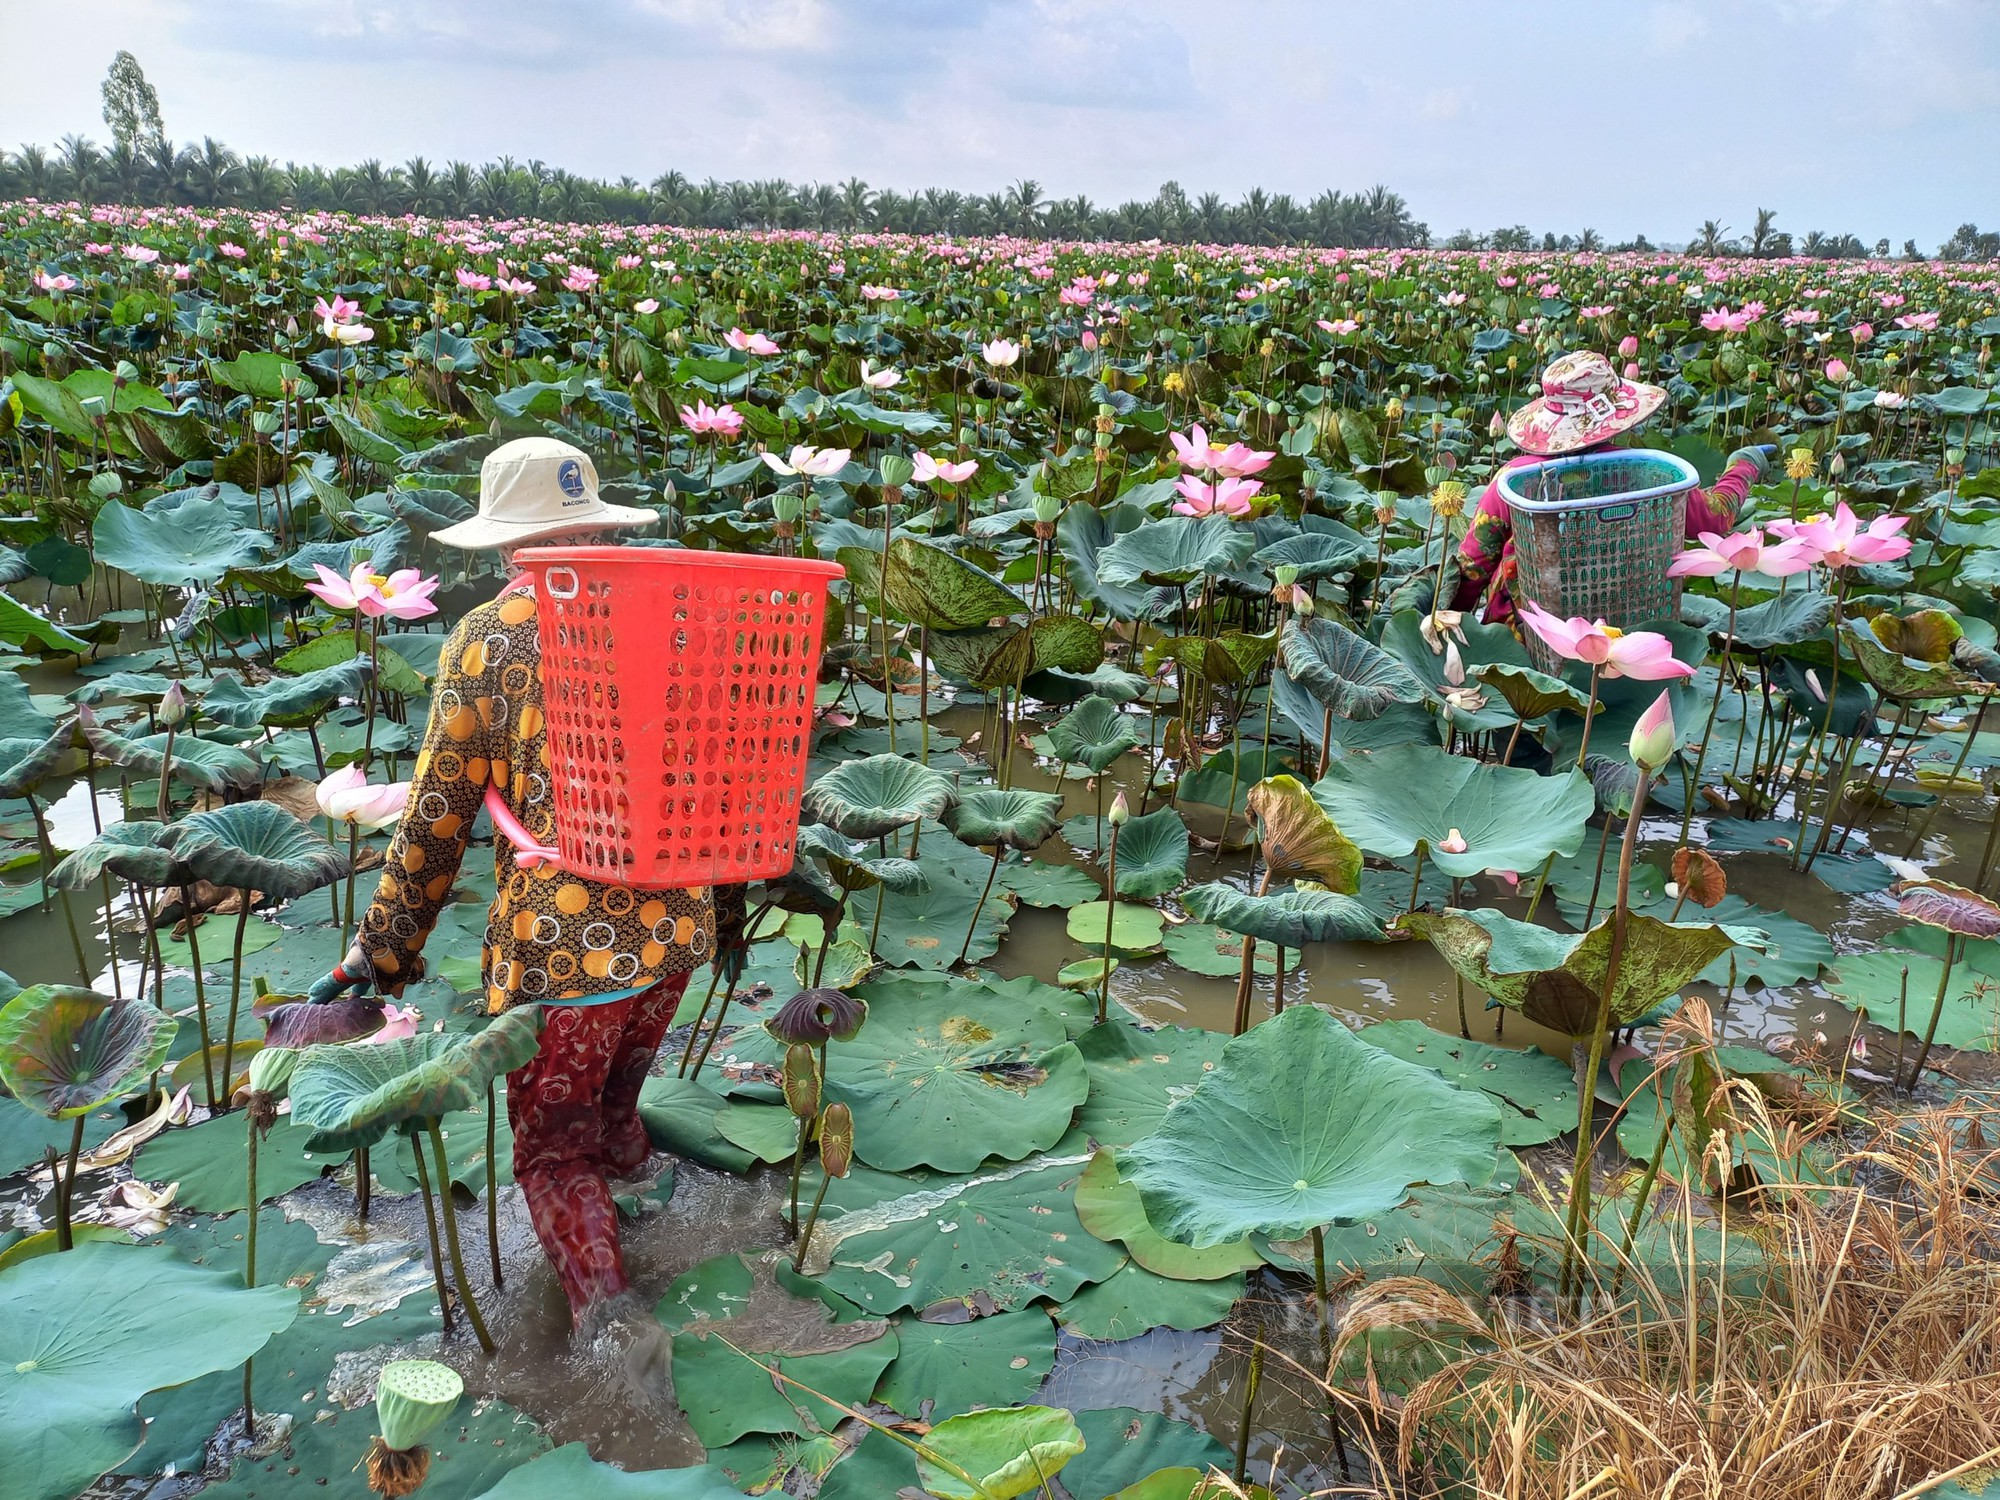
(788, 506)
(801, 1081)
(1047, 507)
(897, 470)
(265, 422)
(446, 364)
(106, 484)
(271, 1069)
(836, 1140)
(413, 1397)
(1285, 575)
(126, 372)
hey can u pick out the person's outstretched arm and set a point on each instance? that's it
(1485, 543)
(1717, 507)
(460, 747)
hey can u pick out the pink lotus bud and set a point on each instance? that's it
(1654, 737)
(1121, 812)
(1628, 346)
(1836, 371)
(1631, 369)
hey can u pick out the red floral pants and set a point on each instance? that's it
(575, 1112)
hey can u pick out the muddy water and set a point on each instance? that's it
(582, 1396)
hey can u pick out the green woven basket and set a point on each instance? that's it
(1593, 536)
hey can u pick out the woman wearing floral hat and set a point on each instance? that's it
(1584, 405)
(607, 963)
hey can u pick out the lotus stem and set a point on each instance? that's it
(1253, 1378)
(1458, 987)
(973, 926)
(347, 922)
(235, 997)
(493, 1179)
(1643, 1193)
(1958, 766)
(65, 1185)
(799, 1163)
(200, 995)
(1278, 998)
(1597, 876)
(694, 1033)
(163, 800)
(1708, 729)
(1952, 942)
(1879, 774)
(1110, 920)
(364, 1183)
(1589, 718)
(1320, 1298)
(812, 1223)
(250, 1259)
(1579, 1187)
(1836, 795)
(924, 694)
(1826, 723)
(1417, 876)
(1246, 975)
(451, 1237)
(431, 1225)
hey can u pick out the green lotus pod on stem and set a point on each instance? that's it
(897, 471)
(836, 1159)
(413, 1398)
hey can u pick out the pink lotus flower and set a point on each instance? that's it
(630, 262)
(1628, 346)
(91, 248)
(1452, 843)
(701, 417)
(1892, 299)
(515, 286)
(1837, 371)
(646, 306)
(145, 255)
(347, 335)
(472, 280)
(1195, 451)
(879, 380)
(1841, 541)
(1457, 299)
(808, 461)
(339, 310)
(1744, 552)
(879, 293)
(404, 594)
(1641, 654)
(1227, 497)
(347, 796)
(1799, 316)
(1338, 327)
(57, 284)
(399, 1022)
(234, 252)
(749, 343)
(929, 470)
(1000, 353)
(580, 279)
(1923, 322)
(1722, 320)
(1862, 332)
(1603, 311)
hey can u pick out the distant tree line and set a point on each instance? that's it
(143, 165)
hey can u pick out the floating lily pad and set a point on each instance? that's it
(1112, 1211)
(991, 1361)
(1122, 1446)
(1204, 948)
(1135, 1074)
(998, 1453)
(1133, 928)
(211, 1163)
(569, 1473)
(1871, 983)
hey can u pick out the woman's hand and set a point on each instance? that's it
(352, 973)
(1758, 455)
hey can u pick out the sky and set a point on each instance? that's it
(1879, 117)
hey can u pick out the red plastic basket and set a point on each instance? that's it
(677, 687)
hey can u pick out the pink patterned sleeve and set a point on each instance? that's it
(1716, 508)
(1485, 543)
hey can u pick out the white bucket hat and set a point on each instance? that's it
(534, 487)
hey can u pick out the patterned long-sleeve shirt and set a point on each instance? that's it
(1486, 563)
(550, 935)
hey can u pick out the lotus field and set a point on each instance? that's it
(1236, 1024)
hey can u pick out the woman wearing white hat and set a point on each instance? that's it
(608, 962)
(1584, 404)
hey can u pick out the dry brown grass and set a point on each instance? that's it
(1868, 1368)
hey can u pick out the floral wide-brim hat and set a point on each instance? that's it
(1583, 402)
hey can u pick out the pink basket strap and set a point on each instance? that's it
(528, 854)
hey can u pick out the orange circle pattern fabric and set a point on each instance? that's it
(550, 935)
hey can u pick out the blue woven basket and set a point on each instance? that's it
(1593, 536)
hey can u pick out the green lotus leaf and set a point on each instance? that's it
(1122, 1445)
(1303, 1124)
(196, 542)
(1064, 643)
(1203, 948)
(685, 1117)
(353, 1095)
(1112, 1210)
(928, 586)
(1082, 536)
(1556, 978)
(732, 1313)
(1011, 1232)
(1484, 648)
(1225, 778)
(1152, 855)
(208, 764)
(1793, 616)
(1535, 1092)
(1135, 1301)
(1006, 1451)
(26, 763)
(1317, 554)
(256, 846)
(853, 868)
(20, 626)
(140, 852)
(1093, 734)
(1135, 1074)
(1895, 674)
(1035, 882)
(1176, 550)
(1289, 919)
(874, 796)
(210, 1162)
(1343, 672)
(1013, 817)
(1180, 1484)
(1395, 801)
(1297, 838)
(1228, 658)
(1531, 694)
(1806, 688)
(925, 928)
(952, 1367)
(283, 700)
(1873, 984)
(78, 1360)
(1133, 928)
(1000, 657)
(569, 1472)
(65, 1051)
